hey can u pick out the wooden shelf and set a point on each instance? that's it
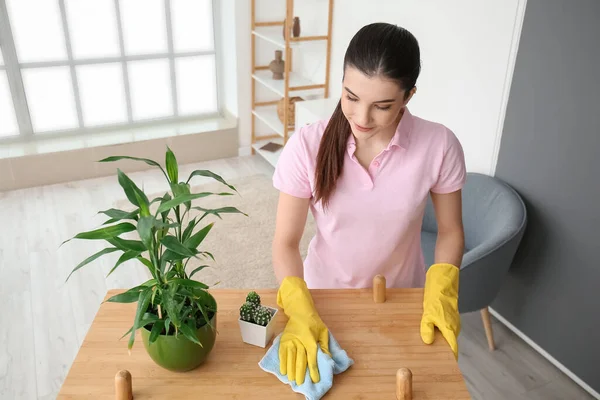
(265, 77)
(294, 85)
(274, 35)
(270, 156)
(268, 115)
(271, 34)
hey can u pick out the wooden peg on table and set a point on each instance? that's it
(379, 289)
(123, 386)
(404, 384)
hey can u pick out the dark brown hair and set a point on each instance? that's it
(376, 49)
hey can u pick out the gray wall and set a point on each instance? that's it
(550, 153)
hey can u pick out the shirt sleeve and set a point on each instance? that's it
(452, 174)
(291, 172)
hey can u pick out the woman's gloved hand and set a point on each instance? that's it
(304, 330)
(440, 305)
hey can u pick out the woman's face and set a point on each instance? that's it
(371, 104)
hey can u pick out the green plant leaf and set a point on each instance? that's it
(147, 319)
(169, 255)
(143, 301)
(164, 199)
(194, 241)
(124, 244)
(190, 228)
(118, 215)
(158, 224)
(130, 296)
(107, 232)
(190, 333)
(206, 298)
(202, 309)
(209, 174)
(206, 253)
(147, 161)
(127, 333)
(171, 274)
(171, 243)
(143, 201)
(185, 198)
(136, 196)
(145, 230)
(167, 325)
(156, 330)
(218, 211)
(92, 258)
(200, 268)
(128, 255)
(182, 189)
(171, 308)
(189, 283)
(171, 163)
(156, 200)
(149, 283)
(147, 263)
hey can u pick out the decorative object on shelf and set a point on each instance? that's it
(291, 109)
(296, 27)
(256, 321)
(281, 78)
(277, 66)
(175, 314)
(271, 146)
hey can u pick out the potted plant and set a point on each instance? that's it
(176, 315)
(256, 321)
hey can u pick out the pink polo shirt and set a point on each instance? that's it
(373, 223)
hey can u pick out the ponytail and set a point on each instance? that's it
(330, 158)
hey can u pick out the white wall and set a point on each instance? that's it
(467, 49)
(228, 73)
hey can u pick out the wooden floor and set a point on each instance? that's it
(44, 320)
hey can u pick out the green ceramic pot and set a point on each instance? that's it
(179, 353)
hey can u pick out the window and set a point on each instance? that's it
(8, 119)
(80, 65)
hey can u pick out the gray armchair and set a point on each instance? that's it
(494, 219)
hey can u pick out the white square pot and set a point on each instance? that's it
(258, 335)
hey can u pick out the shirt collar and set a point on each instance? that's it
(400, 138)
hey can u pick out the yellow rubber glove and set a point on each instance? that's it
(303, 331)
(440, 305)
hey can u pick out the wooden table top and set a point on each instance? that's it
(380, 337)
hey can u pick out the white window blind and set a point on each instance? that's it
(8, 119)
(74, 65)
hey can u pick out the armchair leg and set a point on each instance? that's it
(487, 324)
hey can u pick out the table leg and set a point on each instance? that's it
(379, 289)
(404, 384)
(123, 386)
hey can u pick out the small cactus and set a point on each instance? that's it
(262, 316)
(254, 298)
(247, 311)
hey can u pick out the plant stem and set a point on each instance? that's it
(179, 222)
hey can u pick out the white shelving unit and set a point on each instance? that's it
(293, 84)
(270, 156)
(297, 84)
(268, 115)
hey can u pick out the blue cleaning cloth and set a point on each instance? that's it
(328, 366)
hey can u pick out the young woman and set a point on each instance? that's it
(365, 174)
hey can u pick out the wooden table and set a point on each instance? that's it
(380, 337)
